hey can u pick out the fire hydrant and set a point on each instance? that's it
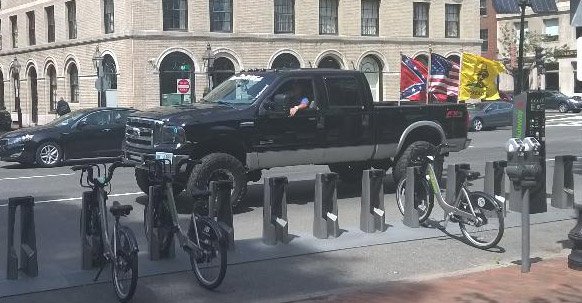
(575, 235)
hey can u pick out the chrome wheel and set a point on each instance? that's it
(563, 108)
(477, 125)
(48, 154)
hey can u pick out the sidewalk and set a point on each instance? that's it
(549, 281)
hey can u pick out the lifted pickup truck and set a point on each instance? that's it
(244, 125)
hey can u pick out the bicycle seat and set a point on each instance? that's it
(120, 210)
(470, 175)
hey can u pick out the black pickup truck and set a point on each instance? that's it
(244, 126)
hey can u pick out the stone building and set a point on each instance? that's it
(488, 32)
(148, 45)
(557, 31)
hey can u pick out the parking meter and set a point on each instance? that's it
(532, 169)
(515, 149)
(529, 120)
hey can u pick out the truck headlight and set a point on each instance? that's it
(172, 135)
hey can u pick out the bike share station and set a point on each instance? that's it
(289, 229)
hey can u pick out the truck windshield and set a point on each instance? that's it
(241, 89)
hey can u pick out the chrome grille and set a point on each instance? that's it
(139, 132)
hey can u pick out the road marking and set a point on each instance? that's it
(35, 177)
(74, 199)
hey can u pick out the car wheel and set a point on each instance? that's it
(49, 154)
(563, 108)
(477, 125)
(412, 155)
(576, 110)
(216, 167)
(143, 182)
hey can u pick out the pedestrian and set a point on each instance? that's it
(63, 107)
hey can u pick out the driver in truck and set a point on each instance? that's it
(298, 98)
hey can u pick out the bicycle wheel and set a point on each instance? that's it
(125, 266)
(487, 230)
(209, 267)
(423, 199)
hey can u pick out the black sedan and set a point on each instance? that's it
(86, 133)
(490, 114)
(559, 101)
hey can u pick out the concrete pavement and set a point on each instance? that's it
(304, 268)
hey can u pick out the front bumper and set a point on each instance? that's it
(140, 158)
(15, 153)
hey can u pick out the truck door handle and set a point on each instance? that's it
(107, 130)
(311, 118)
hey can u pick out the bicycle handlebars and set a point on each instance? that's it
(89, 169)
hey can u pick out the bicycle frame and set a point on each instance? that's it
(449, 209)
(101, 197)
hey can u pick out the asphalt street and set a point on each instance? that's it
(280, 276)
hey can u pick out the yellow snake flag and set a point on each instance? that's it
(478, 76)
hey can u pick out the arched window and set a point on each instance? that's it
(423, 59)
(455, 58)
(174, 67)
(223, 69)
(108, 14)
(73, 73)
(372, 69)
(2, 103)
(175, 15)
(285, 60)
(52, 78)
(329, 62)
(110, 72)
(33, 86)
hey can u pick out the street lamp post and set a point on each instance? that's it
(522, 5)
(209, 61)
(16, 75)
(98, 64)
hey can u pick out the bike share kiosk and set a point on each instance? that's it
(524, 169)
(529, 120)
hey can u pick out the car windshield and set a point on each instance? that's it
(67, 119)
(476, 106)
(241, 89)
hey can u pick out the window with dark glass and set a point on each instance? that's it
(52, 75)
(50, 22)
(483, 7)
(420, 19)
(74, 83)
(108, 21)
(284, 16)
(328, 17)
(14, 30)
(485, 37)
(343, 91)
(175, 15)
(452, 12)
(72, 19)
(370, 17)
(31, 28)
(221, 16)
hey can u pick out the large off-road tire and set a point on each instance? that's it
(216, 167)
(413, 154)
(143, 182)
(349, 172)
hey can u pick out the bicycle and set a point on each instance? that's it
(205, 241)
(121, 251)
(476, 210)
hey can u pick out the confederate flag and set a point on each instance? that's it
(413, 76)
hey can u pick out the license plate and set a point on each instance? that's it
(165, 156)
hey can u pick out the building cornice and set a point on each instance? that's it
(210, 37)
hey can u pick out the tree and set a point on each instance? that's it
(510, 43)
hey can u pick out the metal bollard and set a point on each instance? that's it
(275, 225)
(495, 181)
(575, 235)
(563, 184)
(325, 219)
(28, 251)
(372, 213)
(411, 215)
(158, 229)
(219, 207)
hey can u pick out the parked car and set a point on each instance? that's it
(559, 101)
(244, 126)
(490, 114)
(86, 133)
(5, 120)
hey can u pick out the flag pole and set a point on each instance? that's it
(429, 71)
(460, 69)
(400, 95)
